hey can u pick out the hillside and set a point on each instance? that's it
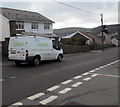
(66, 31)
(111, 29)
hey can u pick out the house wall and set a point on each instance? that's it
(27, 28)
(41, 30)
(77, 39)
(4, 28)
(114, 41)
(107, 38)
(13, 30)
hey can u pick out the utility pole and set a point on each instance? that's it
(102, 32)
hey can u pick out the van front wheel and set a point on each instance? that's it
(60, 58)
(36, 61)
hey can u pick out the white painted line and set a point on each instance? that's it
(92, 71)
(105, 65)
(35, 96)
(86, 73)
(65, 90)
(18, 104)
(109, 75)
(66, 82)
(86, 79)
(12, 77)
(109, 64)
(48, 100)
(1, 80)
(94, 75)
(77, 77)
(113, 63)
(97, 68)
(77, 84)
(53, 88)
(101, 67)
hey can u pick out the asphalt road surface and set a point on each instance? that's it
(21, 82)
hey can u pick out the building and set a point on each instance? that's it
(81, 38)
(107, 38)
(115, 42)
(4, 28)
(21, 21)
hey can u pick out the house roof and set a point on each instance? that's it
(86, 35)
(22, 15)
(81, 33)
(105, 34)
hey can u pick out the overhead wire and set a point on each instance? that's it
(77, 8)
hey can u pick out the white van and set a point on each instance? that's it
(33, 49)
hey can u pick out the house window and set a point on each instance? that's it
(19, 25)
(34, 25)
(46, 26)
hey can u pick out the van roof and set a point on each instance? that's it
(27, 36)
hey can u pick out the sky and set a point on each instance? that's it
(87, 15)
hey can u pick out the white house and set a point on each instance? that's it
(4, 28)
(107, 38)
(115, 42)
(25, 21)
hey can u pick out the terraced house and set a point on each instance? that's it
(20, 21)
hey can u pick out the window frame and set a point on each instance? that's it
(19, 25)
(34, 25)
(46, 26)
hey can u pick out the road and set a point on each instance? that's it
(18, 83)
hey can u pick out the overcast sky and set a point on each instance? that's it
(64, 16)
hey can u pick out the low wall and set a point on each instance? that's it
(75, 48)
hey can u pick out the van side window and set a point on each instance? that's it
(55, 45)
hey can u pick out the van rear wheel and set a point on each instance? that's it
(36, 61)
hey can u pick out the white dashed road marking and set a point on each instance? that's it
(66, 82)
(92, 71)
(1, 80)
(101, 67)
(94, 75)
(86, 73)
(109, 75)
(77, 77)
(77, 84)
(17, 104)
(87, 79)
(35, 96)
(48, 100)
(65, 90)
(12, 77)
(53, 88)
(97, 69)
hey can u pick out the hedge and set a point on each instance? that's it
(75, 48)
